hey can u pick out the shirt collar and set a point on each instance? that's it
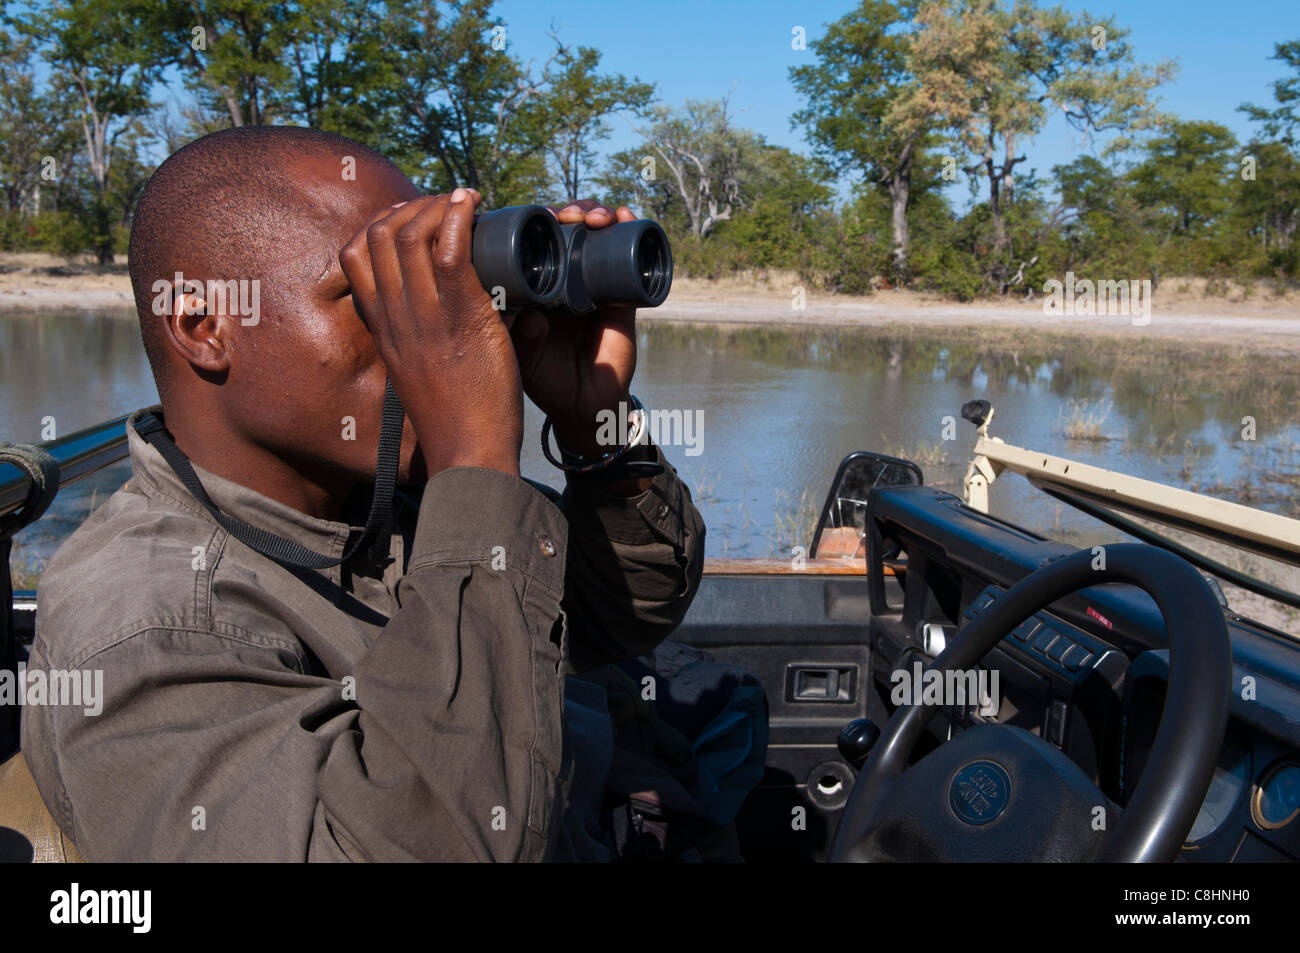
(155, 477)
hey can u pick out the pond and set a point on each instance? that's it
(775, 409)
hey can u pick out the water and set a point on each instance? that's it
(777, 409)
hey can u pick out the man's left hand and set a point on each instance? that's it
(573, 368)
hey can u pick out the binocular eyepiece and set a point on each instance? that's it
(524, 253)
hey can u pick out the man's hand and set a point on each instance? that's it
(448, 351)
(573, 368)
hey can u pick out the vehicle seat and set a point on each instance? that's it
(28, 833)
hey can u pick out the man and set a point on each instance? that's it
(377, 710)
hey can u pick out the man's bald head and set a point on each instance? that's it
(228, 207)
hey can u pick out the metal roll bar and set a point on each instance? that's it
(78, 454)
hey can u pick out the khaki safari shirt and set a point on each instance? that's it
(414, 712)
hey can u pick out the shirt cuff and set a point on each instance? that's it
(468, 512)
(657, 514)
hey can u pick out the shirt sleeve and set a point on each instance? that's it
(634, 565)
(444, 746)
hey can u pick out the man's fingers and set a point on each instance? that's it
(600, 216)
(569, 214)
(457, 282)
(451, 257)
(414, 244)
(354, 259)
(616, 345)
(580, 211)
(382, 237)
(592, 213)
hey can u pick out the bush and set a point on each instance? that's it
(16, 232)
(61, 233)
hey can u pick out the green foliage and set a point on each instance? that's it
(1185, 174)
(860, 70)
(1282, 122)
(61, 233)
(897, 95)
(578, 103)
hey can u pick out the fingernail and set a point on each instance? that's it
(458, 195)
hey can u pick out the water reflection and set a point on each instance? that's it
(780, 407)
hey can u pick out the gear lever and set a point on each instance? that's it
(856, 740)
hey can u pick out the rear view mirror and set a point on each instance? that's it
(844, 514)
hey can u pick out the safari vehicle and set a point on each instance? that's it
(1133, 715)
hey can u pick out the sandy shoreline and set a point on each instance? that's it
(1181, 310)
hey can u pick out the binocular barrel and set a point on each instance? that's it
(524, 252)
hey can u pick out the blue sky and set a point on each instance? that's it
(699, 49)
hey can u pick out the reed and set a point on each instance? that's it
(1083, 419)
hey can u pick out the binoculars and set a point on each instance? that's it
(526, 253)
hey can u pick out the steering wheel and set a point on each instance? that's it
(999, 793)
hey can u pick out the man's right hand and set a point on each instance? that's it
(447, 349)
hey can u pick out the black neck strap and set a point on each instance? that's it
(378, 530)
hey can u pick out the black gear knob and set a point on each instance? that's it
(856, 740)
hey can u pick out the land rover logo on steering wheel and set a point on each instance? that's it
(979, 792)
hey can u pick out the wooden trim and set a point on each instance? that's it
(782, 567)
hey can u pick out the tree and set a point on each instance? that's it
(630, 177)
(1269, 200)
(341, 69)
(580, 100)
(778, 222)
(465, 110)
(707, 165)
(849, 119)
(990, 73)
(728, 200)
(1186, 174)
(1283, 122)
(33, 125)
(104, 57)
(231, 54)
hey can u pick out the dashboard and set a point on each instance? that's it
(1090, 675)
(1251, 810)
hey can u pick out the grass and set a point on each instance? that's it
(705, 484)
(793, 524)
(922, 454)
(1082, 419)
(25, 568)
(1268, 478)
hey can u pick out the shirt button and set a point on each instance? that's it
(546, 546)
(663, 511)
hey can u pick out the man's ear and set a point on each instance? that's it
(202, 339)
